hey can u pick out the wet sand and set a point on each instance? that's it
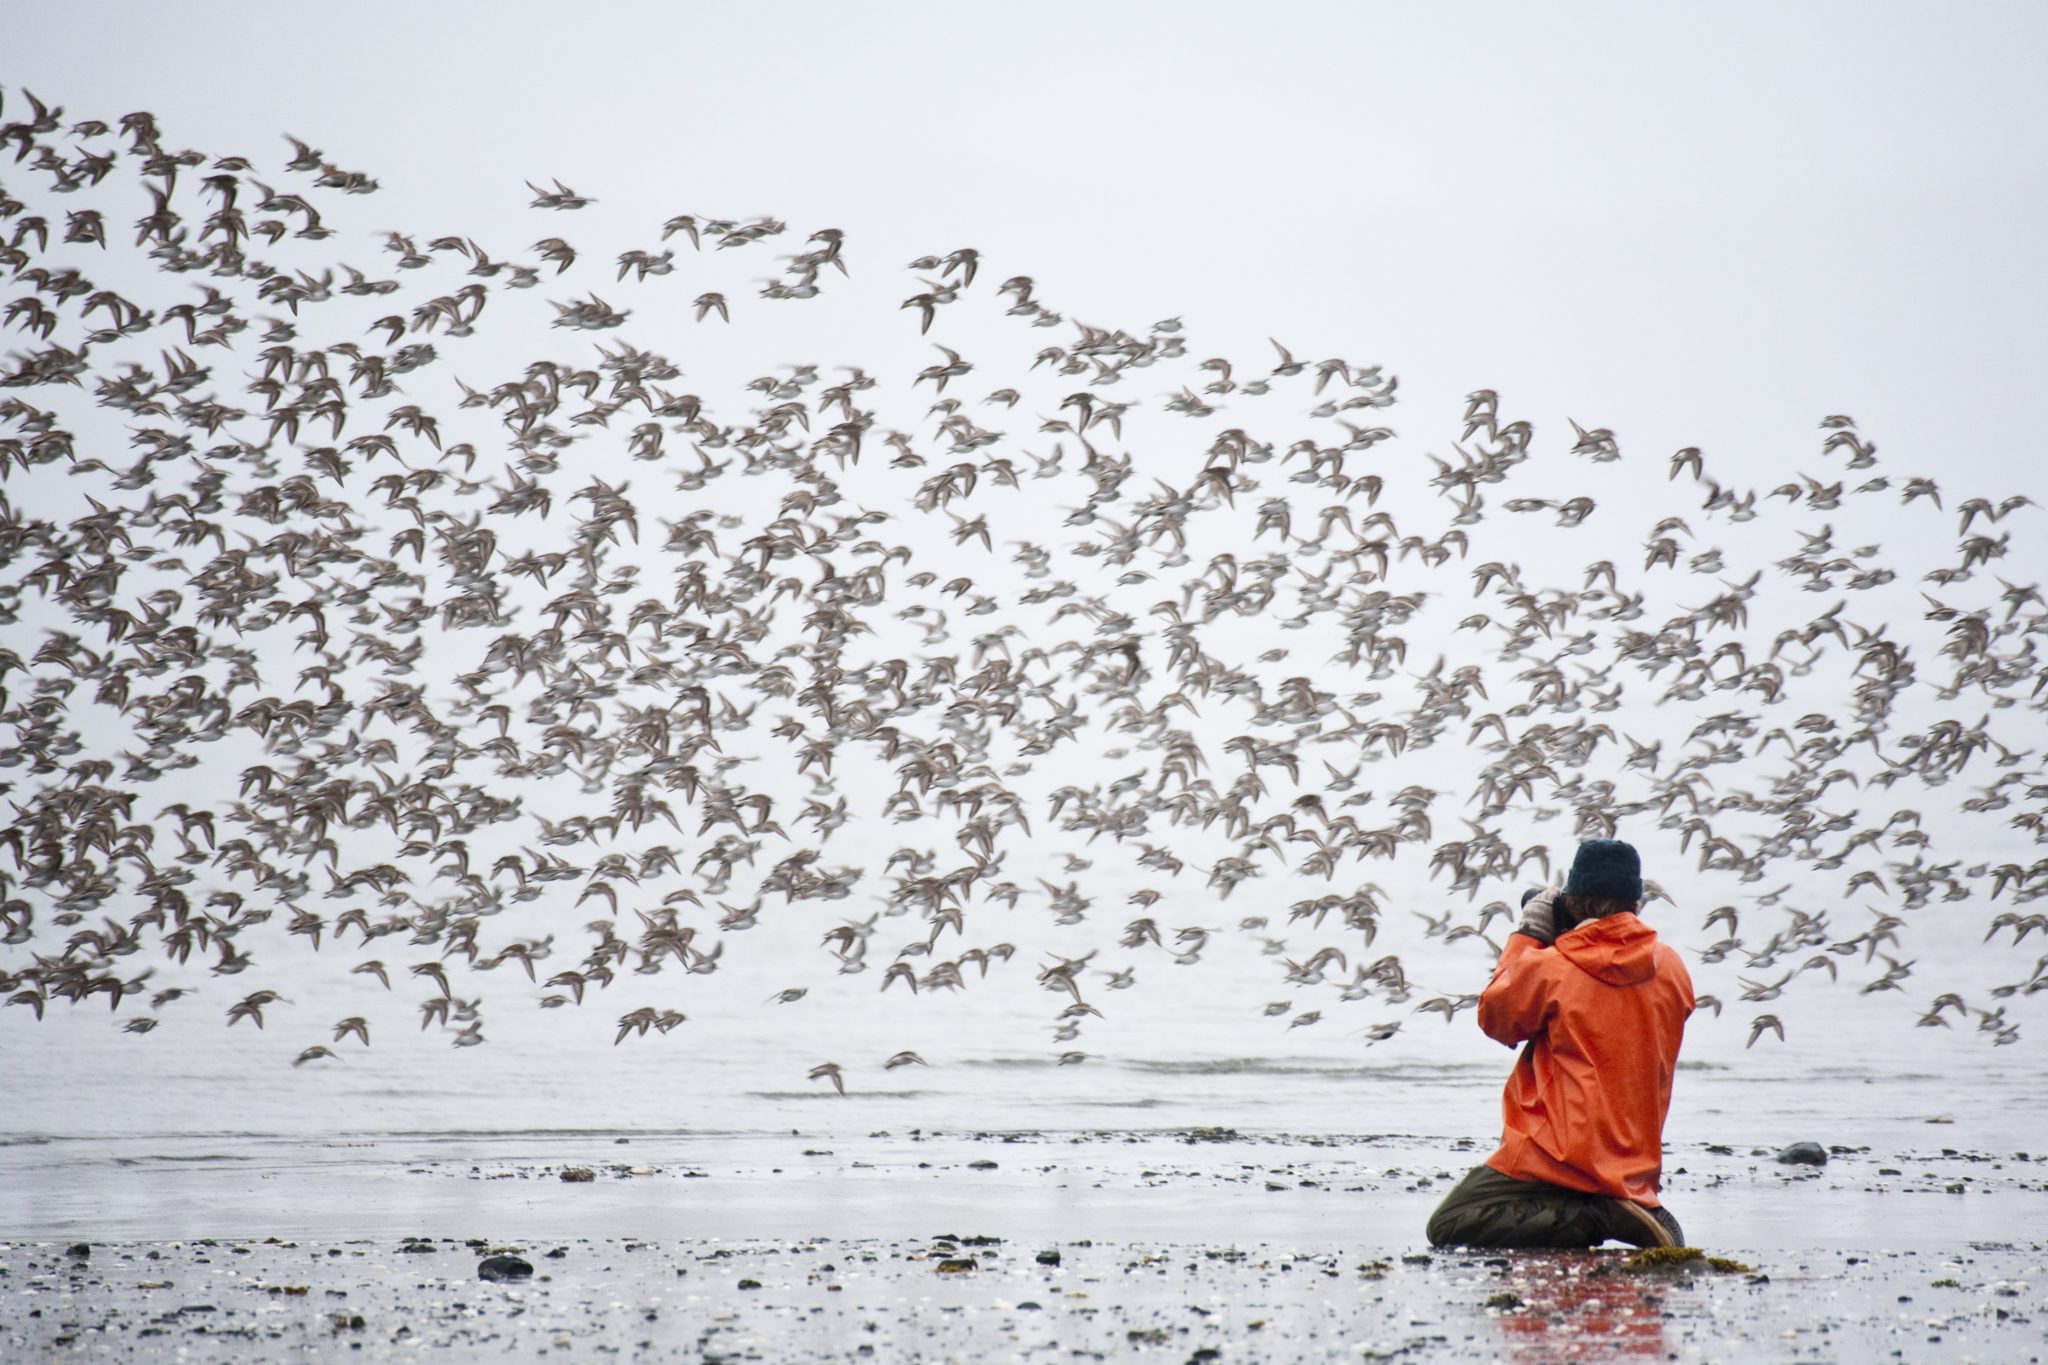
(1184, 1245)
(968, 1297)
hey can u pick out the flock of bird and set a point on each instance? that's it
(308, 645)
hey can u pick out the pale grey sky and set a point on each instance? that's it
(1694, 224)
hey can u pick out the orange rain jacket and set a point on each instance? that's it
(1603, 1011)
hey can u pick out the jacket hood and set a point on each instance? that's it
(1618, 949)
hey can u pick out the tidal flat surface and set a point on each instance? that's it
(1192, 1244)
(959, 1296)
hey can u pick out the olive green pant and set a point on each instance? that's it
(1488, 1209)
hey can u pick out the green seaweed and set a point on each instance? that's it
(1667, 1258)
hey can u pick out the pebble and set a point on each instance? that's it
(504, 1268)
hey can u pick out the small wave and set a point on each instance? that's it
(1148, 1103)
(1254, 1066)
(830, 1094)
(470, 1134)
(1274, 1066)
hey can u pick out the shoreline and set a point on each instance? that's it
(1373, 1192)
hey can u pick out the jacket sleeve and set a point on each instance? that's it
(1516, 1004)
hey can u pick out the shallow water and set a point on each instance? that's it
(203, 1134)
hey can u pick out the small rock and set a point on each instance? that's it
(503, 1268)
(1803, 1154)
(1049, 1257)
(750, 1284)
(78, 1251)
(957, 1265)
(981, 1165)
(578, 1175)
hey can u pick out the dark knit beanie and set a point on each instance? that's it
(1606, 869)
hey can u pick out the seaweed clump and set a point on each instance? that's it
(1666, 1258)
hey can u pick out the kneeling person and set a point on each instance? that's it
(1601, 1005)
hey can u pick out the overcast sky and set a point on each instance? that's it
(1696, 225)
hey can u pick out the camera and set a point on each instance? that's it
(1565, 916)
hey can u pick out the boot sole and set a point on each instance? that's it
(1659, 1235)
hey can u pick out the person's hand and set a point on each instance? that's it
(1539, 915)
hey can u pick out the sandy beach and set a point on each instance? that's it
(1186, 1245)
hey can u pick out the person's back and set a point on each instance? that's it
(1601, 1007)
(1603, 1011)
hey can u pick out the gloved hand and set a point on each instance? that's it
(1539, 915)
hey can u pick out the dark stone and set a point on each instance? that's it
(750, 1284)
(78, 1250)
(503, 1268)
(1048, 1258)
(1804, 1154)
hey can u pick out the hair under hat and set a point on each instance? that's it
(1606, 869)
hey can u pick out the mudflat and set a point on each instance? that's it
(974, 1297)
(1199, 1244)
